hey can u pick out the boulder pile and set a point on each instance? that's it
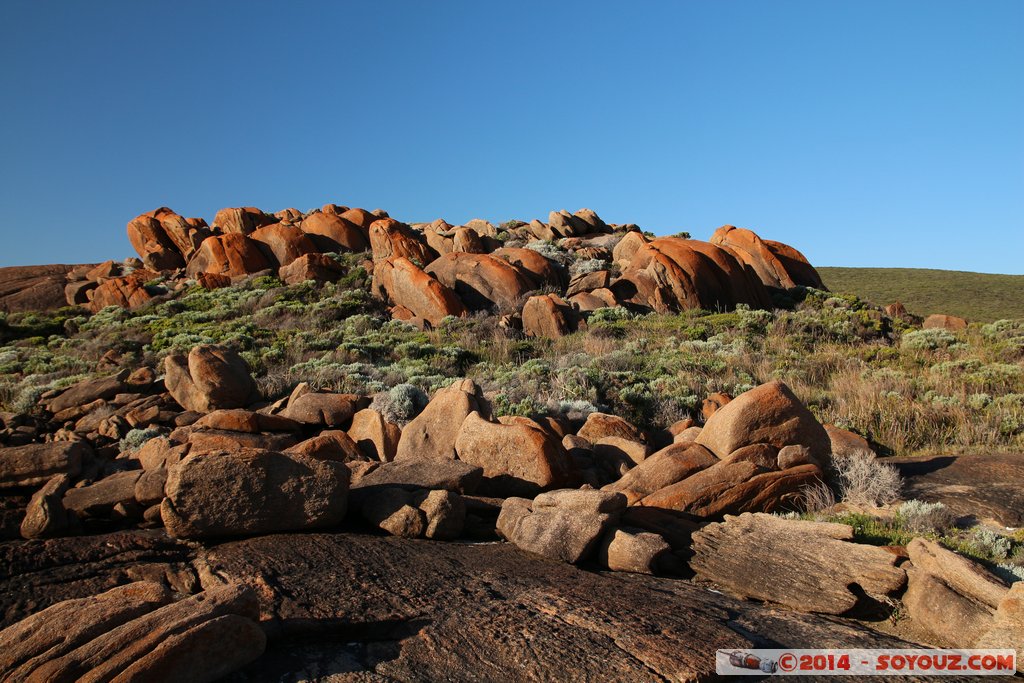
(427, 271)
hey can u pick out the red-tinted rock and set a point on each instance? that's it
(408, 286)
(481, 281)
(242, 220)
(234, 255)
(944, 322)
(282, 244)
(332, 232)
(548, 316)
(316, 267)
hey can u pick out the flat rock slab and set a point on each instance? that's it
(986, 487)
(349, 607)
(37, 574)
(345, 607)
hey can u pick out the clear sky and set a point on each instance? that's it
(864, 133)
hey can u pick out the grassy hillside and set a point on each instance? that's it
(975, 296)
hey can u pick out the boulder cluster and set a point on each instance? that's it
(427, 271)
(221, 462)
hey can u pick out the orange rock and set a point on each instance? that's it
(733, 487)
(480, 280)
(389, 238)
(467, 241)
(944, 322)
(318, 267)
(234, 255)
(770, 414)
(666, 467)
(431, 435)
(376, 437)
(548, 316)
(127, 292)
(517, 459)
(332, 232)
(408, 286)
(776, 264)
(152, 243)
(360, 217)
(241, 220)
(529, 262)
(712, 403)
(601, 425)
(282, 244)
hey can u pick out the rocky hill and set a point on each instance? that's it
(311, 446)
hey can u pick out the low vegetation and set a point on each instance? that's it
(978, 297)
(907, 390)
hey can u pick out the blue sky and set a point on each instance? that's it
(863, 133)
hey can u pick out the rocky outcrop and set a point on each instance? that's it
(666, 467)
(316, 267)
(241, 220)
(35, 464)
(807, 566)
(33, 288)
(950, 597)
(776, 264)
(251, 491)
(281, 244)
(672, 274)
(209, 378)
(481, 281)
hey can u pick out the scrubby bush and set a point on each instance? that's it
(927, 340)
(863, 480)
(923, 517)
(135, 438)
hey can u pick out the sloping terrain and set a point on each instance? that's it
(978, 297)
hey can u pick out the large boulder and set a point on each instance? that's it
(950, 597)
(735, 486)
(547, 315)
(939, 321)
(544, 272)
(672, 464)
(316, 267)
(406, 285)
(807, 566)
(517, 459)
(776, 264)
(241, 220)
(1007, 630)
(672, 274)
(627, 549)
(129, 291)
(601, 425)
(332, 232)
(431, 434)
(209, 378)
(376, 437)
(252, 491)
(282, 244)
(101, 497)
(35, 464)
(45, 515)
(85, 392)
(152, 243)
(769, 414)
(234, 255)
(324, 409)
(565, 525)
(481, 281)
(391, 239)
(415, 474)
